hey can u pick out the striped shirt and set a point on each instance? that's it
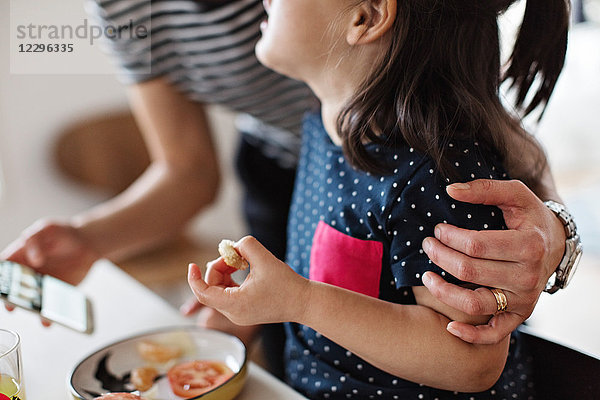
(206, 50)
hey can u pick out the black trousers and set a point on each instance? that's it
(267, 195)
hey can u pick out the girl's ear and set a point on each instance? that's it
(371, 20)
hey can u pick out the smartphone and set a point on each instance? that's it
(52, 298)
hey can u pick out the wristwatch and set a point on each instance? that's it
(573, 249)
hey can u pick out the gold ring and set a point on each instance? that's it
(500, 299)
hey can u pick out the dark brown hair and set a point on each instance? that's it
(439, 80)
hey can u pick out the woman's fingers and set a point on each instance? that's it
(476, 270)
(486, 244)
(503, 194)
(500, 326)
(480, 301)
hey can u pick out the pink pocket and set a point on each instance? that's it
(344, 261)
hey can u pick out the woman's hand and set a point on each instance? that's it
(54, 248)
(272, 291)
(519, 260)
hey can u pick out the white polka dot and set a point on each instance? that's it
(359, 367)
(413, 206)
(408, 242)
(469, 216)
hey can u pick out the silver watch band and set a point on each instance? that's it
(573, 249)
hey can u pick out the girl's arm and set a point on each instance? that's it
(409, 341)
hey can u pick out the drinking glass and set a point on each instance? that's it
(11, 367)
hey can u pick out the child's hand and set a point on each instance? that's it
(271, 292)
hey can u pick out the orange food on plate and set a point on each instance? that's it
(157, 352)
(119, 396)
(193, 378)
(143, 377)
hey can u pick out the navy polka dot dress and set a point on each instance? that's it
(364, 232)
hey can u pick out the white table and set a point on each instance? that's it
(122, 307)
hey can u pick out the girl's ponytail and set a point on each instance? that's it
(539, 52)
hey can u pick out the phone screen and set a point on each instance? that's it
(52, 298)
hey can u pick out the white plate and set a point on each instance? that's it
(111, 365)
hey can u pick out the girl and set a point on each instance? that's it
(410, 102)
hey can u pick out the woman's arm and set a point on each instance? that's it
(409, 341)
(183, 177)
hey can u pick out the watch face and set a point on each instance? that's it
(573, 262)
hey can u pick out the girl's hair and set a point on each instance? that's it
(440, 78)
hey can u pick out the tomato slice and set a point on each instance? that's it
(193, 378)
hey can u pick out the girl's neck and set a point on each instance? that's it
(329, 114)
(333, 95)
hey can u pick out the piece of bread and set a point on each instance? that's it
(231, 256)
